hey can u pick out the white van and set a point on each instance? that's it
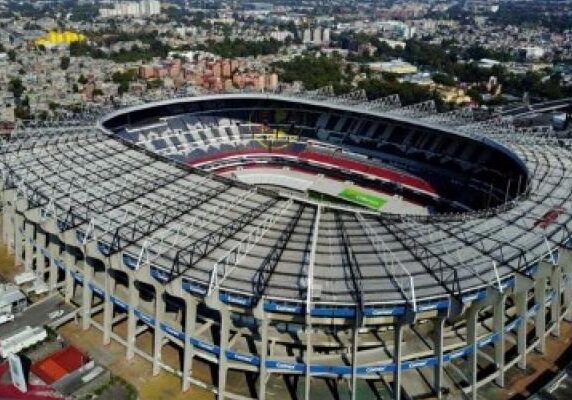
(5, 318)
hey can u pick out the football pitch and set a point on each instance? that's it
(362, 198)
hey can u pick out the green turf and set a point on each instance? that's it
(362, 198)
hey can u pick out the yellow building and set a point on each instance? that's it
(452, 94)
(55, 38)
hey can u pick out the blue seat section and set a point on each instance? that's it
(131, 136)
(159, 144)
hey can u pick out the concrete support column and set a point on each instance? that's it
(355, 346)
(158, 332)
(397, 358)
(69, 262)
(28, 247)
(131, 318)
(86, 296)
(556, 285)
(567, 293)
(499, 319)
(8, 222)
(263, 378)
(18, 237)
(521, 300)
(439, 325)
(40, 258)
(472, 319)
(189, 349)
(107, 308)
(308, 359)
(522, 286)
(565, 263)
(54, 252)
(540, 317)
(222, 363)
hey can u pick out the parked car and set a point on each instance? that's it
(56, 314)
(5, 318)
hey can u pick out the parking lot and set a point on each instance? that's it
(38, 314)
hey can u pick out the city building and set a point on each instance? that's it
(531, 53)
(141, 8)
(212, 74)
(318, 35)
(12, 300)
(56, 38)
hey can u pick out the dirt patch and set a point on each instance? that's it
(8, 267)
(137, 372)
(540, 369)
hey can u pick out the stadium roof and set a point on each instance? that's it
(217, 234)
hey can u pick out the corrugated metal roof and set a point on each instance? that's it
(11, 295)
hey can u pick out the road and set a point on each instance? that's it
(35, 315)
(539, 107)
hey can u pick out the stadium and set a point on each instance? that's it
(296, 244)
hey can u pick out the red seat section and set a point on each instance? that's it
(239, 153)
(386, 174)
(383, 173)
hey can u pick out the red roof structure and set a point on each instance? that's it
(62, 362)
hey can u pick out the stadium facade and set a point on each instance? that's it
(135, 220)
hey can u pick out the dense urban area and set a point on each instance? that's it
(63, 55)
(67, 60)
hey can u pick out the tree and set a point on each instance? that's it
(12, 55)
(64, 62)
(16, 87)
(80, 49)
(126, 76)
(241, 48)
(474, 94)
(443, 79)
(315, 72)
(123, 88)
(154, 83)
(22, 112)
(409, 93)
(476, 52)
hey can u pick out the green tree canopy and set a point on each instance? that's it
(64, 62)
(16, 87)
(314, 72)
